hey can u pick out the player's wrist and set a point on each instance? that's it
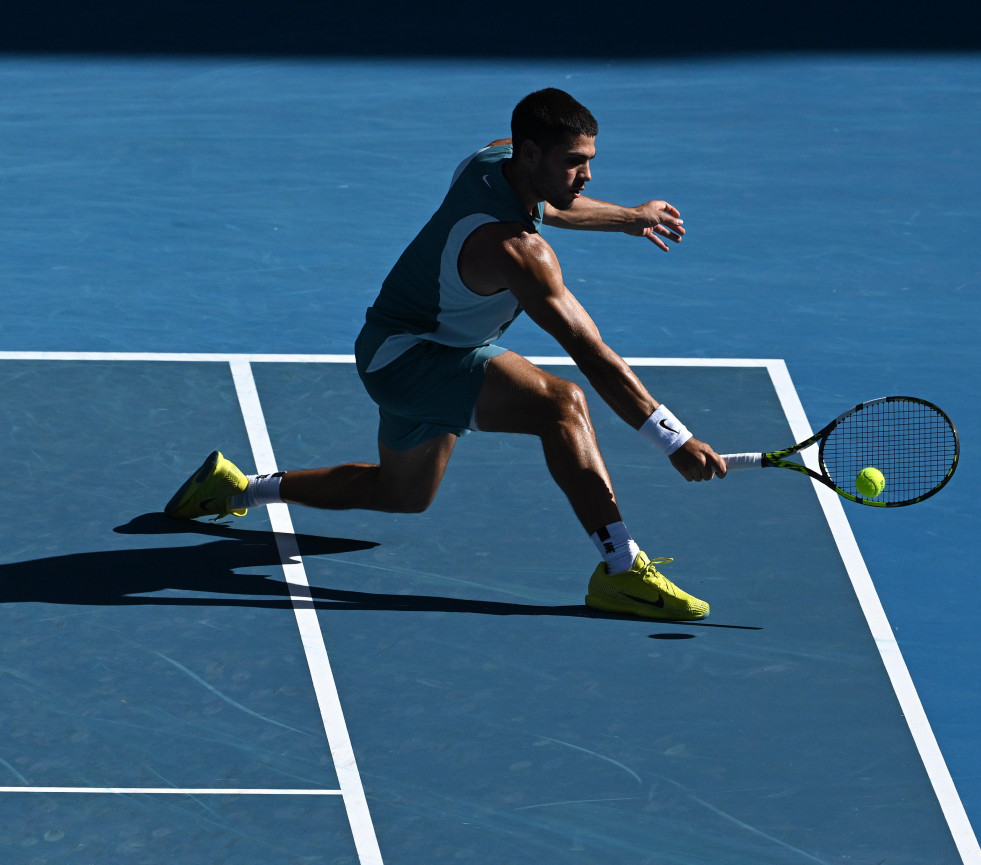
(665, 430)
(634, 220)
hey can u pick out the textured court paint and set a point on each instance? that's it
(127, 589)
(744, 380)
(149, 207)
(172, 826)
(406, 599)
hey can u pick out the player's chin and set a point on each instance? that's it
(566, 201)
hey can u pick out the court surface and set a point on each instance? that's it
(189, 248)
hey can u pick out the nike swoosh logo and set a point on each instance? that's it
(486, 179)
(664, 425)
(659, 603)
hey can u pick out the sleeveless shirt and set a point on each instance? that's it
(423, 297)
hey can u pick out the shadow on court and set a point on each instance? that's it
(126, 577)
(121, 577)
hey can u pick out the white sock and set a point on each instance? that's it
(262, 490)
(617, 547)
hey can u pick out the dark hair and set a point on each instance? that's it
(549, 117)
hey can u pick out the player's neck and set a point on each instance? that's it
(521, 185)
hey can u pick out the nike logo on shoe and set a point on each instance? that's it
(659, 603)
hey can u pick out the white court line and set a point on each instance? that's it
(892, 658)
(712, 362)
(885, 640)
(211, 357)
(178, 357)
(177, 791)
(325, 688)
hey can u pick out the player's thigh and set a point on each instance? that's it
(429, 390)
(519, 397)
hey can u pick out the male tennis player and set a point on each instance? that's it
(427, 357)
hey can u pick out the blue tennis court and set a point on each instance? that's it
(190, 245)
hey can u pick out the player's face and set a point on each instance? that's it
(562, 173)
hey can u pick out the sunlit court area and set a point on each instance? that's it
(200, 203)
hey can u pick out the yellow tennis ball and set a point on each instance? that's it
(870, 483)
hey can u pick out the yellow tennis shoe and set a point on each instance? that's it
(643, 591)
(206, 492)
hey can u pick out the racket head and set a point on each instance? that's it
(910, 440)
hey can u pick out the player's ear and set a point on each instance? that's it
(531, 153)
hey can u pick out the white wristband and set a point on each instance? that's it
(665, 430)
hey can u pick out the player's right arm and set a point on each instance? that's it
(501, 256)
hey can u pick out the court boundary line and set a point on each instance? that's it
(178, 791)
(890, 654)
(308, 624)
(914, 714)
(233, 357)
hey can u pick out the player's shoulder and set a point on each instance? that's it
(509, 245)
(514, 237)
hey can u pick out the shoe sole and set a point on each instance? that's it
(608, 605)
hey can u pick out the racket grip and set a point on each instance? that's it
(743, 461)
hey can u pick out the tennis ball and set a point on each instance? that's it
(870, 483)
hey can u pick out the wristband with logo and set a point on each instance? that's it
(665, 430)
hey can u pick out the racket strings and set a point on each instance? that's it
(912, 443)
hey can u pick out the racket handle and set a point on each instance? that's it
(743, 461)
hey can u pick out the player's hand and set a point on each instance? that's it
(696, 461)
(656, 220)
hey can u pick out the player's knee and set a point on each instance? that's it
(416, 504)
(568, 401)
(409, 501)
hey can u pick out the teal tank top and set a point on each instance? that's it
(423, 297)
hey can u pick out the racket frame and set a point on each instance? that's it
(778, 459)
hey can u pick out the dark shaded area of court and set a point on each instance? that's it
(493, 717)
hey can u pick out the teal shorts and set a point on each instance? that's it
(427, 391)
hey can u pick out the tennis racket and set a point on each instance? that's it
(911, 441)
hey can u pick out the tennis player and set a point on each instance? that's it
(428, 357)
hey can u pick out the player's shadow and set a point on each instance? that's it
(205, 575)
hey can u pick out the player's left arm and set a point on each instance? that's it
(656, 220)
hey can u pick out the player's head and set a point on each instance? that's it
(554, 141)
(549, 117)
